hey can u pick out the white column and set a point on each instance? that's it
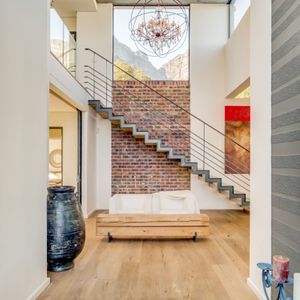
(260, 74)
(24, 92)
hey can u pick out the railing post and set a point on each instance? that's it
(94, 63)
(203, 146)
(106, 83)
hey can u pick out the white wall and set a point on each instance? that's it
(68, 121)
(72, 92)
(91, 161)
(24, 148)
(97, 162)
(96, 186)
(260, 72)
(104, 164)
(96, 144)
(237, 56)
(94, 31)
(63, 84)
(208, 196)
(207, 67)
(207, 62)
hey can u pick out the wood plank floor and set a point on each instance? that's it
(214, 268)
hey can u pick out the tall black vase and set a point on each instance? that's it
(65, 228)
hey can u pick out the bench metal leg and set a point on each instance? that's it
(195, 237)
(109, 237)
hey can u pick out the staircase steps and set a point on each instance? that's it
(107, 113)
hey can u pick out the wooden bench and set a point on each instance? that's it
(187, 226)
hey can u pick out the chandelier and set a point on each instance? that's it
(158, 30)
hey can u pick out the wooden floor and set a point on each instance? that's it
(214, 268)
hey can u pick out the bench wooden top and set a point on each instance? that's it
(152, 226)
(193, 219)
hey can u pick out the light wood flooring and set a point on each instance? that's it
(214, 268)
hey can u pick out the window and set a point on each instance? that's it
(238, 9)
(245, 94)
(62, 43)
(175, 66)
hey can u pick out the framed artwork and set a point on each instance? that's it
(237, 128)
(55, 156)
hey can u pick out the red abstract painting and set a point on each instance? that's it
(237, 128)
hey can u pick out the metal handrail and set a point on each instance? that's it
(203, 150)
(198, 147)
(167, 99)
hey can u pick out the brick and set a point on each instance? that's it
(136, 167)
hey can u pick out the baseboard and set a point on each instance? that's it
(39, 289)
(255, 289)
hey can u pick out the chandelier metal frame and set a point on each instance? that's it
(158, 29)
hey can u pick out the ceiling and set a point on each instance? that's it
(68, 8)
(131, 2)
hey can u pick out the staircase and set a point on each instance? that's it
(99, 84)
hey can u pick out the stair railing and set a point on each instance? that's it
(100, 84)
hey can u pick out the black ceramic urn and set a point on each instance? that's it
(65, 228)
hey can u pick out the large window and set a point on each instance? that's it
(174, 66)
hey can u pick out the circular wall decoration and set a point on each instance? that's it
(55, 158)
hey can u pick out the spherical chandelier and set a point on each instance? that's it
(156, 29)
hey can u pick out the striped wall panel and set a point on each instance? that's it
(286, 130)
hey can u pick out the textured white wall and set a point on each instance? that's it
(24, 92)
(260, 73)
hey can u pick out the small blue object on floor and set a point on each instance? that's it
(268, 282)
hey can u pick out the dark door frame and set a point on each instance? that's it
(79, 155)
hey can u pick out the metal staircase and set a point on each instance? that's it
(99, 84)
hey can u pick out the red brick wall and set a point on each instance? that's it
(136, 167)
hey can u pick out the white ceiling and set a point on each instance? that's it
(68, 8)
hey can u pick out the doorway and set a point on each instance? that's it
(65, 146)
